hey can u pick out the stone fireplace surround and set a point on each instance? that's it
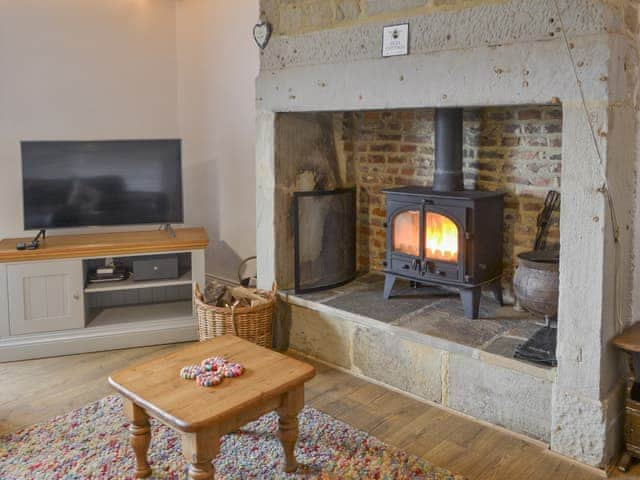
(506, 58)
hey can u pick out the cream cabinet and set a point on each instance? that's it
(45, 296)
(48, 307)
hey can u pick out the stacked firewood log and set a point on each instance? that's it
(220, 295)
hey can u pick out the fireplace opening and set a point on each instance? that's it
(513, 150)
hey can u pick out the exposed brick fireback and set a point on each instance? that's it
(514, 149)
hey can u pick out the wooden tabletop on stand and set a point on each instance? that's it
(157, 387)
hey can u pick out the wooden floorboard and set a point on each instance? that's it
(35, 390)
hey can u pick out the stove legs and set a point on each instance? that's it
(471, 301)
(389, 280)
(470, 296)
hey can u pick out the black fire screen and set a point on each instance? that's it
(324, 228)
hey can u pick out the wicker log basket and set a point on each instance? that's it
(251, 323)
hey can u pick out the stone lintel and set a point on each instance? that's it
(537, 73)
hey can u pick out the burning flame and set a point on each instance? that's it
(441, 238)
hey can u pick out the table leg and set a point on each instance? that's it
(140, 436)
(199, 449)
(292, 403)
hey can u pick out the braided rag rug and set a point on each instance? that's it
(92, 443)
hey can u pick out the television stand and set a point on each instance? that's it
(169, 229)
(48, 307)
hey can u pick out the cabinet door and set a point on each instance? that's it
(45, 296)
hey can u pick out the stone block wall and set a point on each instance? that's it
(291, 17)
(512, 149)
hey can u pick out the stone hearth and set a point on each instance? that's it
(420, 342)
(432, 311)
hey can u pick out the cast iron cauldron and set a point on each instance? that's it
(536, 282)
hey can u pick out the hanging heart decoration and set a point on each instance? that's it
(262, 34)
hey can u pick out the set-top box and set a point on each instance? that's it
(156, 267)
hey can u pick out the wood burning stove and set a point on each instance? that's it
(442, 238)
(445, 235)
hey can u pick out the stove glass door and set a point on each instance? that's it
(441, 238)
(406, 232)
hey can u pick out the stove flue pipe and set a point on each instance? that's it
(448, 150)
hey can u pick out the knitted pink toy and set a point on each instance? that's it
(191, 372)
(208, 379)
(232, 370)
(213, 364)
(211, 371)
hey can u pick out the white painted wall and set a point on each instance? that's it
(80, 70)
(218, 64)
(118, 69)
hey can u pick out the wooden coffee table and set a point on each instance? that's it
(271, 381)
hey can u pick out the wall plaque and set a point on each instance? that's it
(395, 40)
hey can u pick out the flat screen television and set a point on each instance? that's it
(99, 183)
